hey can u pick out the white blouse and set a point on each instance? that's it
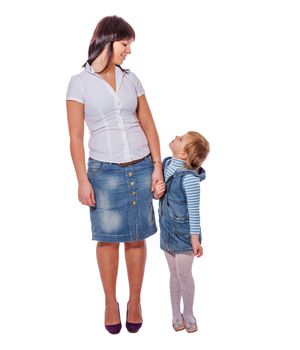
(116, 135)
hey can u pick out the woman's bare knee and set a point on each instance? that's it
(136, 244)
(108, 245)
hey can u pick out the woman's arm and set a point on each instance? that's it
(75, 113)
(148, 125)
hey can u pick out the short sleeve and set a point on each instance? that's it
(138, 85)
(75, 90)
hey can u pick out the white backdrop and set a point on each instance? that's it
(228, 69)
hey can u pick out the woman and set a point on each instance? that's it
(124, 162)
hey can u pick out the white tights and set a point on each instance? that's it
(181, 284)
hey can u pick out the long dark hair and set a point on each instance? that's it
(107, 31)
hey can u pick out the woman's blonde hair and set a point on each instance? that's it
(197, 149)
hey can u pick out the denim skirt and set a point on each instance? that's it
(123, 210)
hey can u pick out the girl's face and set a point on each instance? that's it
(121, 50)
(177, 146)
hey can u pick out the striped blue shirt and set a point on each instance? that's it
(191, 186)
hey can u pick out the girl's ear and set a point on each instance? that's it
(183, 155)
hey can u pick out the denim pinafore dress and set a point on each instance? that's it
(173, 213)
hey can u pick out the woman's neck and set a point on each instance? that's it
(99, 64)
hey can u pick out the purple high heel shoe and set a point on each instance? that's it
(131, 326)
(114, 328)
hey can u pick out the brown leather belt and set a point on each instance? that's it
(133, 161)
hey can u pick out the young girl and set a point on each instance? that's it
(179, 219)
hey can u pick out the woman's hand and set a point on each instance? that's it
(157, 175)
(86, 193)
(197, 248)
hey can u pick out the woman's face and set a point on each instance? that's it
(121, 50)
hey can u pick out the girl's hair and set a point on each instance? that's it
(107, 31)
(197, 149)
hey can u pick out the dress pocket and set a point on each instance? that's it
(95, 167)
(178, 216)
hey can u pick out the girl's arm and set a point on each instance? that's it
(191, 187)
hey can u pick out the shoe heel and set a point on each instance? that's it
(131, 326)
(114, 328)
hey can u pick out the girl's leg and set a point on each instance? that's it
(135, 256)
(184, 263)
(175, 292)
(108, 259)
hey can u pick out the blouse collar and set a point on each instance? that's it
(119, 75)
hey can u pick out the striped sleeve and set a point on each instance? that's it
(191, 185)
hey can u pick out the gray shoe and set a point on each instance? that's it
(178, 324)
(191, 326)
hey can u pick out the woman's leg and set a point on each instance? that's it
(135, 255)
(184, 263)
(108, 260)
(175, 292)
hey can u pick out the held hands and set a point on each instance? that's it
(159, 189)
(197, 248)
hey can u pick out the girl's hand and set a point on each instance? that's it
(86, 193)
(197, 248)
(157, 175)
(160, 189)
